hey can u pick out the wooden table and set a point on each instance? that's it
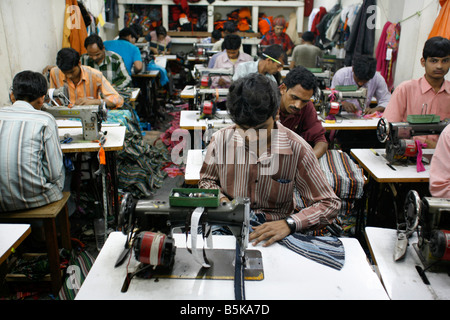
(11, 236)
(287, 276)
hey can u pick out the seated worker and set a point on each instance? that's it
(439, 169)
(229, 27)
(86, 86)
(427, 95)
(306, 53)
(124, 47)
(271, 61)
(159, 41)
(297, 112)
(278, 36)
(229, 59)
(31, 160)
(363, 73)
(270, 161)
(108, 62)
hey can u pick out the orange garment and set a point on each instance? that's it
(74, 30)
(92, 84)
(441, 26)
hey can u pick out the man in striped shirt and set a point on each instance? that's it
(261, 159)
(86, 86)
(108, 62)
(31, 161)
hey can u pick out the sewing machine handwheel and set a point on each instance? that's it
(382, 130)
(412, 209)
(125, 218)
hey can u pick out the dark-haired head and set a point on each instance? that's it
(29, 86)
(94, 39)
(67, 59)
(437, 47)
(232, 42)
(302, 76)
(364, 67)
(275, 51)
(252, 100)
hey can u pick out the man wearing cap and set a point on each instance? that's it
(278, 36)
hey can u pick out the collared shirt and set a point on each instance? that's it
(283, 40)
(306, 124)
(439, 168)
(269, 180)
(248, 67)
(128, 51)
(112, 67)
(376, 87)
(161, 46)
(418, 97)
(31, 161)
(92, 84)
(223, 62)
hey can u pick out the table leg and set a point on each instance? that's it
(53, 254)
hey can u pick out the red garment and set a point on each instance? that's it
(318, 17)
(283, 40)
(389, 39)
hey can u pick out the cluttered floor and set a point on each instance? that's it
(84, 243)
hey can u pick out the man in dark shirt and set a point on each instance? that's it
(297, 112)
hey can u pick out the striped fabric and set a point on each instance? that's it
(328, 251)
(92, 84)
(31, 161)
(79, 266)
(112, 67)
(237, 172)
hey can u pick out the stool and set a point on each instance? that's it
(48, 215)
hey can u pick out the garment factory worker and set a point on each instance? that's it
(439, 168)
(31, 160)
(159, 41)
(306, 53)
(108, 62)
(229, 27)
(272, 61)
(363, 73)
(126, 48)
(230, 58)
(261, 159)
(278, 36)
(297, 112)
(85, 85)
(429, 94)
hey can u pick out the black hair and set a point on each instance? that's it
(232, 42)
(302, 76)
(275, 51)
(252, 100)
(216, 34)
(364, 67)
(125, 32)
(94, 39)
(137, 29)
(29, 86)
(67, 58)
(437, 47)
(161, 31)
(229, 27)
(308, 36)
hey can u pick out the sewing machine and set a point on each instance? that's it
(332, 99)
(154, 222)
(323, 77)
(398, 137)
(430, 217)
(206, 100)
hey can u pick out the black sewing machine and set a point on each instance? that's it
(398, 137)
(149, 226)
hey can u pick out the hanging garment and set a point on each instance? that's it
(441, 26)
(317, 19)
(74, 30)
(387, 51)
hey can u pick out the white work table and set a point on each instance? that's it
(287, 276)
(377, 168)
(348, 121)
(194, 163)
(11, 236)
(189, 120)
(400, 278)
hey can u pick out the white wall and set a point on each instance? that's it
(31, 35)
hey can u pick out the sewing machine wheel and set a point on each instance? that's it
(412, 209)
(126, 216)
(382, 130)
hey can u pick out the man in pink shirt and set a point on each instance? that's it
(427, 95)
(439, 169)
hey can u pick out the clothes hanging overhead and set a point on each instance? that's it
(387, 51)
(74, 30)
(441, 26)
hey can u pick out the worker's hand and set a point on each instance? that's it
(222, 82)
(373, 110)
(349, 107)
(430, 144)
(270, 232)
(47, 69)
(224, 199)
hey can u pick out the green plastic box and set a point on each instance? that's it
(423, 118)
(346, 88)
(184, 200)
